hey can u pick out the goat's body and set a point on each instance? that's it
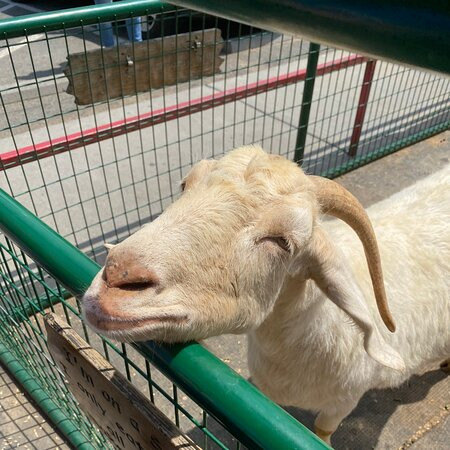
(243, 250)
(308, 354)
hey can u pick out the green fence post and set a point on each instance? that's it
(308, 90)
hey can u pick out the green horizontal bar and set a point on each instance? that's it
(256, 421)
(45, 403)
(236, 403)
(75, 17)
(45, 246)
(359, 161)
(412, 32)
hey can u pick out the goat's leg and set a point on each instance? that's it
(329, 419)
(445, 365)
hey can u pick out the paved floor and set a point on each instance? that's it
(22, 426)
(125, 179)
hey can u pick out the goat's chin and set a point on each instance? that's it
(162, 324)
(162, 334)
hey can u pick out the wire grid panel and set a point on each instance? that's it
(23, 293)
(404, 106)
(27, 292)
(105, 169)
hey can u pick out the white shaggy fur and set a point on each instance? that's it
(244, 250)
(303, 355)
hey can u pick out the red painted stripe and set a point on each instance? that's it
(362, 106)
(107, 131)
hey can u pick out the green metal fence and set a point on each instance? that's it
(214, 404)
(96, 172)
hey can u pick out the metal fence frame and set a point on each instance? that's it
(46, 22)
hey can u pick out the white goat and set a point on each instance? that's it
(244, 251)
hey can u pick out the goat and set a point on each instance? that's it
(244, 250)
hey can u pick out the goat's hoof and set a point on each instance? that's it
(445, 366)
(324, 435)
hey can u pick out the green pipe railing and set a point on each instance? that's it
(412, 32)
(249, 415)
(75, 17)
(308, 92)
(68, 428)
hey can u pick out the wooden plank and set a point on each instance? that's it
(108, 73)
(122, 413)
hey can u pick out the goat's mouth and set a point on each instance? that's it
(119, 323)
(132, 314)
(111, 317)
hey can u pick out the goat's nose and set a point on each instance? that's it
(124, 271)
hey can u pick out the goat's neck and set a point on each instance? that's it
(301, 309)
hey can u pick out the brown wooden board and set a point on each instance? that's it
(121, 412)
(108, 73)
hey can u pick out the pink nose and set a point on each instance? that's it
(122, 270)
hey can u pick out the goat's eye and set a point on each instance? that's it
(183, 186)
(282, 242)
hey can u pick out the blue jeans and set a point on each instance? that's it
(134, 29)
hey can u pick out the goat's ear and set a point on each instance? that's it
(197, 173)
(332, 275)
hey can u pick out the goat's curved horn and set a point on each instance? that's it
(337, 201)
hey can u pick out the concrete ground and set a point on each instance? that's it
(22, 426)
(127, 179)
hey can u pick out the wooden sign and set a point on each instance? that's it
(108, 73)
(127, 418)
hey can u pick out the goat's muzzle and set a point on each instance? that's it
(125, 272)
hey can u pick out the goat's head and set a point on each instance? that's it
(215, 261)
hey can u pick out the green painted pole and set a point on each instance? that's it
(75, 17)
(45, 403)
(308, 91)
(60, 258)
(411, 32)
(257, 422)
(237, 404)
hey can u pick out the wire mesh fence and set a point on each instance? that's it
(95, 172)
(23, 292)
(95, 140)
(26, 294)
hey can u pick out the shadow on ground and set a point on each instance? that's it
(370, 426)
(363, 428)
